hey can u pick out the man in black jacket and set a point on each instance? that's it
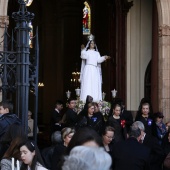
(130, 154)
(6, 117)
(71, 115)
(157, 154)
(56, 116)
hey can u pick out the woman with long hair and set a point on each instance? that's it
(12, 152)
(30, 156)
(13, 131)
(90, 120)
(66, 133)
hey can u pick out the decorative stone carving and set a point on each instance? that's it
(164, 30)
(4, 20)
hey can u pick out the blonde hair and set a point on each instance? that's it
(90, 105)
(66, 131)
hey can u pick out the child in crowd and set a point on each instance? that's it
(31, 157)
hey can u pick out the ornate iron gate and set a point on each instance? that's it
(19, 66)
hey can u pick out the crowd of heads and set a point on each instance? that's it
(85, 158)
(84, 146)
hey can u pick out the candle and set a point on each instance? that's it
(103, 95)
(114, 92)
(68, 93)
(77, 92)
(18, 167)
(12, 164)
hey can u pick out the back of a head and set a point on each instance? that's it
(87, 158)
(139, 124)
(59, 102)
(56, 137)
(82, 136)
(134, 132)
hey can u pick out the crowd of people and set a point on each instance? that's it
(86, 141)
(140, 142)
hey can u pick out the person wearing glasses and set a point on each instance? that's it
(107, 138)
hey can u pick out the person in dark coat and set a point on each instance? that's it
(157, 154)
(56, 116)
(7, 118)
(166, 143)
(125, 114)
(146, 118)
(159, 128)
(89, 99)
(144, 100)
(117, 123)
(108, 138)
(71, 115)
(130, 154)
(91, 120)
(47, 153)
(97, 111)
(59, 150)
(167, 162)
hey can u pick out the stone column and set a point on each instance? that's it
(163, 7)
(164, 70)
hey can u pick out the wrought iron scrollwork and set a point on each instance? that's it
(19, 65)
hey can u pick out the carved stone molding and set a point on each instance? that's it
(164, 30)
(4, 20)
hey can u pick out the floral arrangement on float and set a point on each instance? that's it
(79, 106)
(104, 106)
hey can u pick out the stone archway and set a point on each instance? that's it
(163, 7)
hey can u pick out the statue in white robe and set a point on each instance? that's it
(91, 76)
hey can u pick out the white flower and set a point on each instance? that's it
(104, 107)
